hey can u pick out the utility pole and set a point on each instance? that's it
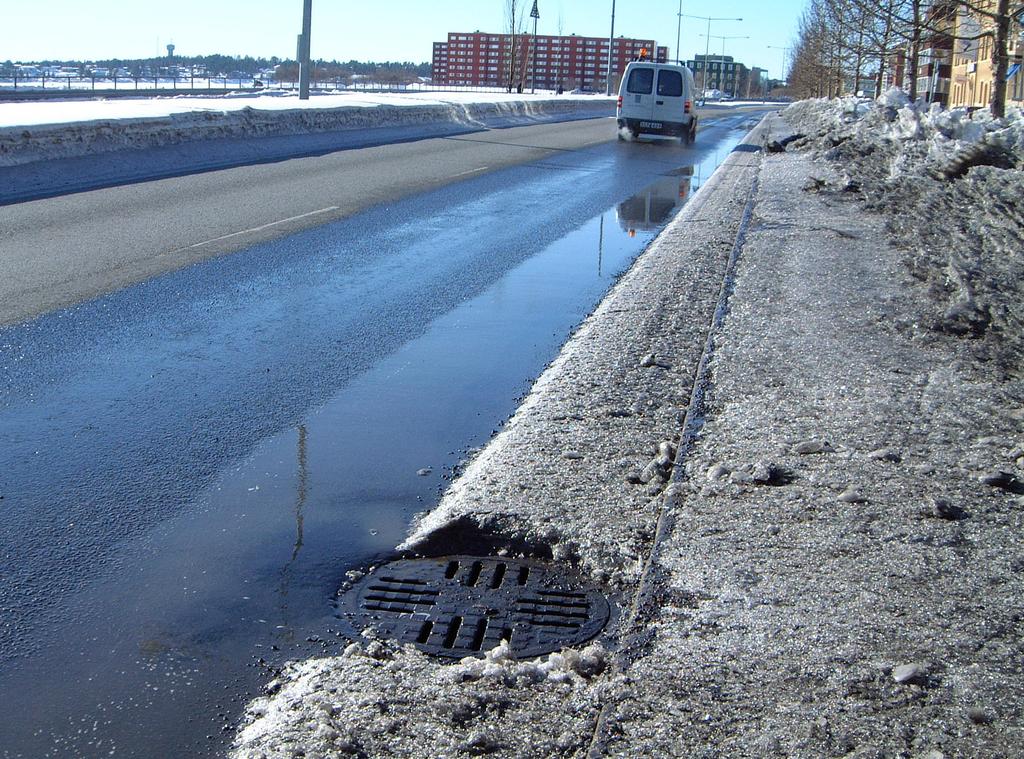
(535, 14)
(721, 70)
(679, 29)
(512, 47)
(782, 71)
(307, 13)
(707, 46)
(611, 41)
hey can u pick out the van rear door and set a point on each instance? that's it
(638, 98)
(669, 102)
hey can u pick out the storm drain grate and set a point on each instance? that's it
(457, 606)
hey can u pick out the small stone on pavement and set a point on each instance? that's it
(908, 673)
(979, 716)
(886, 454)
(852, 495)
(943, 509)
(717, 471)
(812, 446)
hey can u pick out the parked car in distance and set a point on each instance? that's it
(658, 99)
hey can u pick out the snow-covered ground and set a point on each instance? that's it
(34, 132)
(38, 113)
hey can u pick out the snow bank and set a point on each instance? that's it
(43, 131)
(950, 185)
(381, 700)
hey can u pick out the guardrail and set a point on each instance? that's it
(86, 85)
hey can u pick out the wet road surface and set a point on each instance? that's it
(190, 465)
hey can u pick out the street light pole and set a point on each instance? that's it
(785, 54)
(679, 29)
(718, 83)
(611, 41)
(707, 52)
(536, 17)
(307, 13)
(707, 47)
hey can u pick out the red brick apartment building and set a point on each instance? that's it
(478, 59)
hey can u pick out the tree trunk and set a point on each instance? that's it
(884, 51)
(915, 50)
(511, 11)
(1000, 59)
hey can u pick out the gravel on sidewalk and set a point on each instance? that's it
(844, 572)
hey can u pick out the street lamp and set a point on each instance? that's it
(785, 54)
(307, 12)
(707, 47)
(679, 28)
(535, 14)
(611, 41)
(718, 84)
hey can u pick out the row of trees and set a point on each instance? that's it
(388, 71)
(844, 41)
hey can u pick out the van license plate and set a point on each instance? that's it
(650, 125)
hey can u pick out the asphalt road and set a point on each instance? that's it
(64, 250)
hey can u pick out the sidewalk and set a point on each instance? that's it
(823, 528)
(795, 602)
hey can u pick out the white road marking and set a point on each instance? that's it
(471, 171)
(262, 227)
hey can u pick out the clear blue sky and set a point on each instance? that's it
(374, 30)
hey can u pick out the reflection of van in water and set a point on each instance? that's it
(657, 98)
(648, 211)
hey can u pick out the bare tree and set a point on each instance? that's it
(558, 65)
(515, 26)
(915, 20)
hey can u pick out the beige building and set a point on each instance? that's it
(973, 70)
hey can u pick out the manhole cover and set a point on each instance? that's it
(457, 606)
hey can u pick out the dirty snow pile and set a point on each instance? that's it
(32, 132)
(382, 700)
(951, 187)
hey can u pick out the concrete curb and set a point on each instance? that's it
(648, 292)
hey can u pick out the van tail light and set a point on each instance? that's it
(686, 105)
(620, 101)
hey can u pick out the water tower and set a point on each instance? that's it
(170, 50)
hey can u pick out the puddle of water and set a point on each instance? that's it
(655, 206)
(161, 657)
(257, 564)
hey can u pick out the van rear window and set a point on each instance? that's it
(670, 83)
(641, 82)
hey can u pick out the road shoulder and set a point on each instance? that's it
(840, 580)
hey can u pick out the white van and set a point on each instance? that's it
(657, 98)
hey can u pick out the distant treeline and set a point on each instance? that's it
(231, 65)
(389, 71)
